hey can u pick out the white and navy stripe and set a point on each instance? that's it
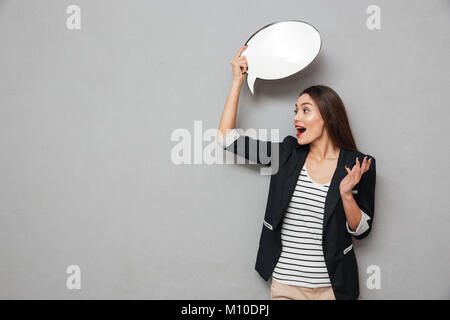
(302, 262)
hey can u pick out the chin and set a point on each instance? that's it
(302, 142)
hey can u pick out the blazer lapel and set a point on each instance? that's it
(299, 155)
(334, 194)
(294, 167)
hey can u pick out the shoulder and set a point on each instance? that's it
(290, 142)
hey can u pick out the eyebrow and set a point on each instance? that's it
(304, 103)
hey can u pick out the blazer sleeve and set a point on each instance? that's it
(258, 151)
(366, 199)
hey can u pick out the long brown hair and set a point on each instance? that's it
(334, 115)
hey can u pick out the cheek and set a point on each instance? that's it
(314, 121)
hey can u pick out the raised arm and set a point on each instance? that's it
(228, 119)
(259, 151)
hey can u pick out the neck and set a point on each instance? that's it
(323, 150)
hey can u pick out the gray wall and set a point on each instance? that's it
(86, 118)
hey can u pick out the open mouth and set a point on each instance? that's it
(300, 131)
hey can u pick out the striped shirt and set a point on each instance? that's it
(302, 262)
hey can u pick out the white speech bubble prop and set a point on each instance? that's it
(280, 49)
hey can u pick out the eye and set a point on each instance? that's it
(305, 109)
(295, 111)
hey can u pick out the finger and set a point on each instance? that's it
(354, 167)
(364, 165)
(243, 63)
(368, 164)
(350, 171)
(358, 167)
(238, 53)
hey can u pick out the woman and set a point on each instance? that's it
(321, 196)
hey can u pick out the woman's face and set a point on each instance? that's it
(307, 115)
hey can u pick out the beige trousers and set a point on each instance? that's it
(281, 291)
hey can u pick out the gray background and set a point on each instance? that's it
(85, 126)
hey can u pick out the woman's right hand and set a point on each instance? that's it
(239, 65)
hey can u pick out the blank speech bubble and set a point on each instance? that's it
(280, 49)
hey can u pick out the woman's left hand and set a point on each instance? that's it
(354, 175)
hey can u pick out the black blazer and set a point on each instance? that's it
(337, 242)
